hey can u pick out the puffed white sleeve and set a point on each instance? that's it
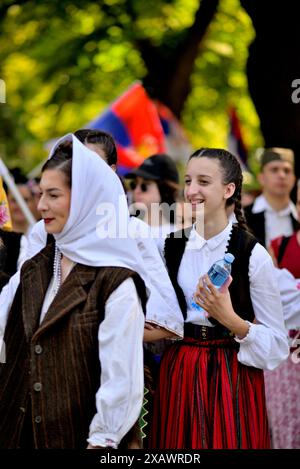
(162, 307)
(6, 298)
(37, 239)
(120, 396)
(289, 288)
(266, 344)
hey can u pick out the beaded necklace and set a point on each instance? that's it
(57, 274)
(57, 270)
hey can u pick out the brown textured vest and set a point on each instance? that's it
(54, 367)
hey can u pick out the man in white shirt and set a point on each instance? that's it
(273, 213)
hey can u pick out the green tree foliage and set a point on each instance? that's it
(64, 61)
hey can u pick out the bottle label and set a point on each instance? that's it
(218, 275)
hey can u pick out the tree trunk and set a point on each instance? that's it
(272, 67)
(170, 66)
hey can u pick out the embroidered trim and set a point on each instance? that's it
(142, 421)
(228, 239)
(247, 336)
(178, 333)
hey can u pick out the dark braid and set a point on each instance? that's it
(232, 172)
(238, 210)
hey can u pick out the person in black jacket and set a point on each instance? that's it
(3, 276)
(273, 213)
(10, 241)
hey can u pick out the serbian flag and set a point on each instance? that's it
(177, 144)
(236, 143)
(133, 121)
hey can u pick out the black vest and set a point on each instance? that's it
(257, 223)
(240, 245)
(12, 243)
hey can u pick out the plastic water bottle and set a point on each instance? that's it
(218, 274)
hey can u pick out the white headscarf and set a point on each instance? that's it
(96, 232)
(94, 183)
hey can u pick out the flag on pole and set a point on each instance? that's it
(140, 127)
(133, 121)
(235, 142)
(5, 220)
(9, 181)
(177, 144)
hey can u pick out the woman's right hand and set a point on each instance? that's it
(216, 302)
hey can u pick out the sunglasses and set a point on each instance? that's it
(133, 185)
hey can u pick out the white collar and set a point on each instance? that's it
(261, 205)
(196, 241)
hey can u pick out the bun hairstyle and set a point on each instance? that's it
(102, 139)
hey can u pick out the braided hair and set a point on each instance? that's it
(232, 172)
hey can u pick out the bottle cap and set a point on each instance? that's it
(229, 258)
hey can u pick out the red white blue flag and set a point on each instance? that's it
(133, 121)
(235, 142)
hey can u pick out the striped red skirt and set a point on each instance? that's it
(206, 399)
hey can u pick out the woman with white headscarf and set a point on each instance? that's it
(74, 359)
(162, 309)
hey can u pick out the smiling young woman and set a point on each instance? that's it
(211, 385)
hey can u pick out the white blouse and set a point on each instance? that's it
(265, 345)
(162, 307)
(290, 296)
(120, 396)
(161, 231)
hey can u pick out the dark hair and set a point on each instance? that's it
(81, 134)
(168, 191)
(19, 178)
(232, 172)
(61, 160)
(102, 139)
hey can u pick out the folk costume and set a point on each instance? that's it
(282, 384)
(211, 386)
(73, 370)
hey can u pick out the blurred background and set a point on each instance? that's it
(218, 72)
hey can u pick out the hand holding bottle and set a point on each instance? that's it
(218, 274)
(215, 301)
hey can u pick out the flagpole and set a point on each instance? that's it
(16, 193)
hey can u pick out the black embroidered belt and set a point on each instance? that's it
(205, 332)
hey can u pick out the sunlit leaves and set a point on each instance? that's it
(64, 61)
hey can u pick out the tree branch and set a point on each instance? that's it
(176, 65)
